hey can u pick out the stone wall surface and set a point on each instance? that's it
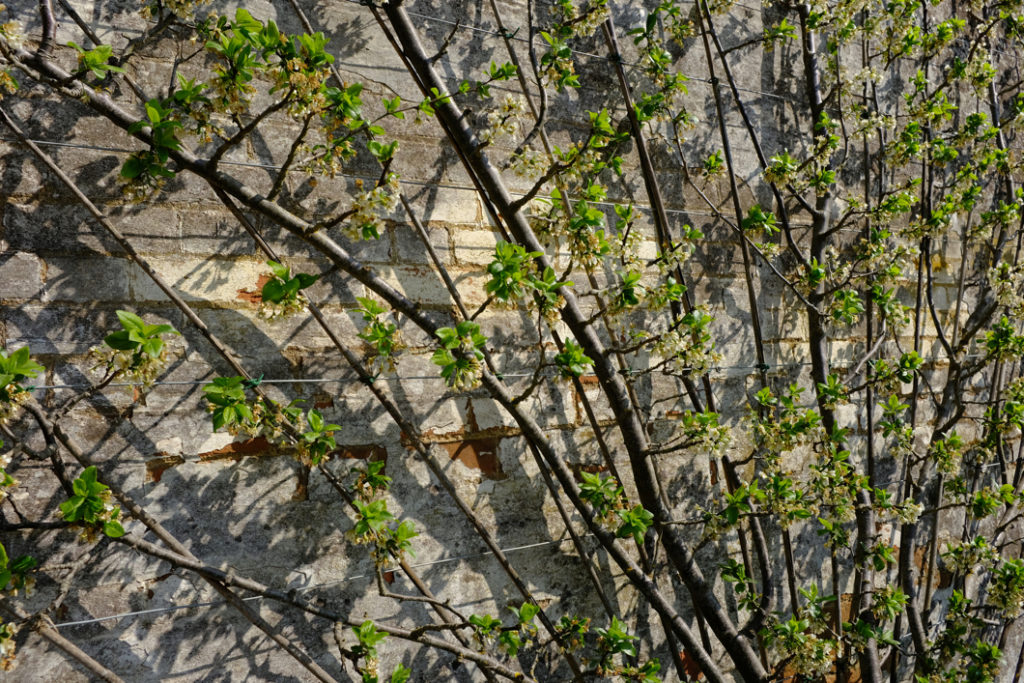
(240, 503)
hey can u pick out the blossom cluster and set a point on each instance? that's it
(582, 22)
(183, 9)
(9, 409)
(528, 163)
(369, 206)
(1007, 283)
(12, 32)
(277, 310)
(134, 367)
(504, 120)
(7, 646)
(6, 480)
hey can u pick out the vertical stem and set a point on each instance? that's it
(704, 13)
(635, 437)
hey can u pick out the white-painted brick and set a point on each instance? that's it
(211, 280)
(450, 206)
(475, 246)
(489, 414)
(419, 283)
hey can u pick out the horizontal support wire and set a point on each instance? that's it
(692, 79)
(348, 579)
(400, 378)
(169, 383)
(357, 177)
(413, 183)
(489, 31)
(356, 577)
(306, 589)
(127, 31)
(341, 380)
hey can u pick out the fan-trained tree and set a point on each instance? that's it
(813, 473)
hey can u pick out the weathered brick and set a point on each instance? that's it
(369, 251)
(101, 278)
(20, 175)
(475, 246)
(20, 275)
(508, 329)
(413, 337)
(55, 228)
(488, 414)
(730, 293)
(212, 231)
(226, 506)
(419, 283)
(51, 227)
(784, 324)
(422, 384)
(209, 280)
(410, 248)
(471, 288)
(69, 329)
(446, 205)
(335, 289)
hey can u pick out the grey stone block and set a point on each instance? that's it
(92, 279)
(20, 275)
(411, 249)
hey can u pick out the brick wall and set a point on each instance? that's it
(240, 502)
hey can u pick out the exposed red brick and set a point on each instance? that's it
(254, 296)
(322, 399)
(238, 449)
(476, 450)
(371, 452)
(589, 469)
(479, 453)
(847, 605)
(942, 578)
(156, 466)
(691, 666)
(852, 674)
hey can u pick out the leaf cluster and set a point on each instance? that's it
(90, 506)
